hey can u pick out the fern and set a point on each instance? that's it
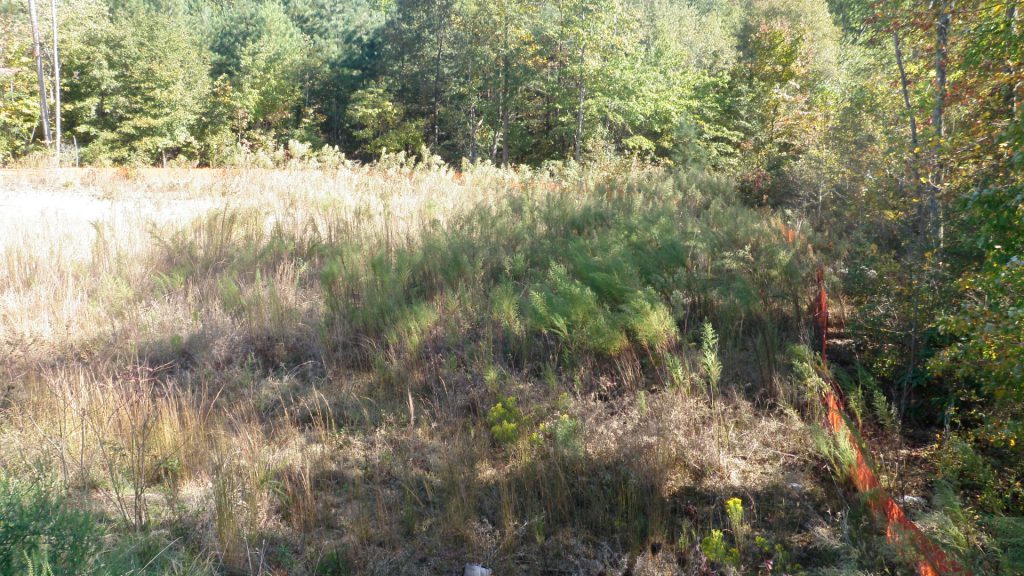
(505, 308)
(649, 320)
(571, 310)
(709, 357)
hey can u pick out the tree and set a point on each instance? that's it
(19, 98)
(497, 45)
(56, 79)
(37, 53)
(345, 45)
(418, 55)
(380, 123)
(135, 86)
(264, 54)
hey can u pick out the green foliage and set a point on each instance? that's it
(649, 320)
(506, 421)
(960, 462)
(575, 278)
(571, 310)
(335, 563)
(656, 81)
(809, 383)
(983, 543)
(40, 532)
(837, 450)
(505, 308)
(380, 124)
(567, 432)
(988, 357)
(780, 557)
(717, 550)
(790, 102)
(734, 511)
(709, 357)
(865, 398)
(270, 68)
(410, 326)
(135, 89)
(679, 377)
(19, 105)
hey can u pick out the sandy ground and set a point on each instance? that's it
(65, 206)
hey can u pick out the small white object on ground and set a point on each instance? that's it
(476, 570)
(912, 501)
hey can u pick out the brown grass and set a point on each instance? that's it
(166, 357)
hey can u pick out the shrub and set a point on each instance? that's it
(38, 529)
(505, 420)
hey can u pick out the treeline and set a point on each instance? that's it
(703, 82)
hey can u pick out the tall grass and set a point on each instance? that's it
(301, 365)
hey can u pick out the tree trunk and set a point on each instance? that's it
(439, 33)
(505, 65)
(505, 116)
(496, 134)
(581, 99)
(473, 126)
(56, 82)
(578, 141)
(504, 135)
(472, 131)
(37, 52)
(917, 250)
(904, 88)
(942, 23)
(915, 145)
(1016, 90)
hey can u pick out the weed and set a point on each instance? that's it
(567, 435)
(240, 375)
(837, 450)
(740, 528)
(717, 550)
(505, 420)
(709, 358)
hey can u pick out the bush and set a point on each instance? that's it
(39, 530)
(505, 420)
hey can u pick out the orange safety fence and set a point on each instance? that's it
(900, 530)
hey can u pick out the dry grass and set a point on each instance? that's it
(175, 355)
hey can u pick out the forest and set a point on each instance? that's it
(394, 286)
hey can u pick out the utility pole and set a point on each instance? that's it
(56, 80)
(37, 51)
